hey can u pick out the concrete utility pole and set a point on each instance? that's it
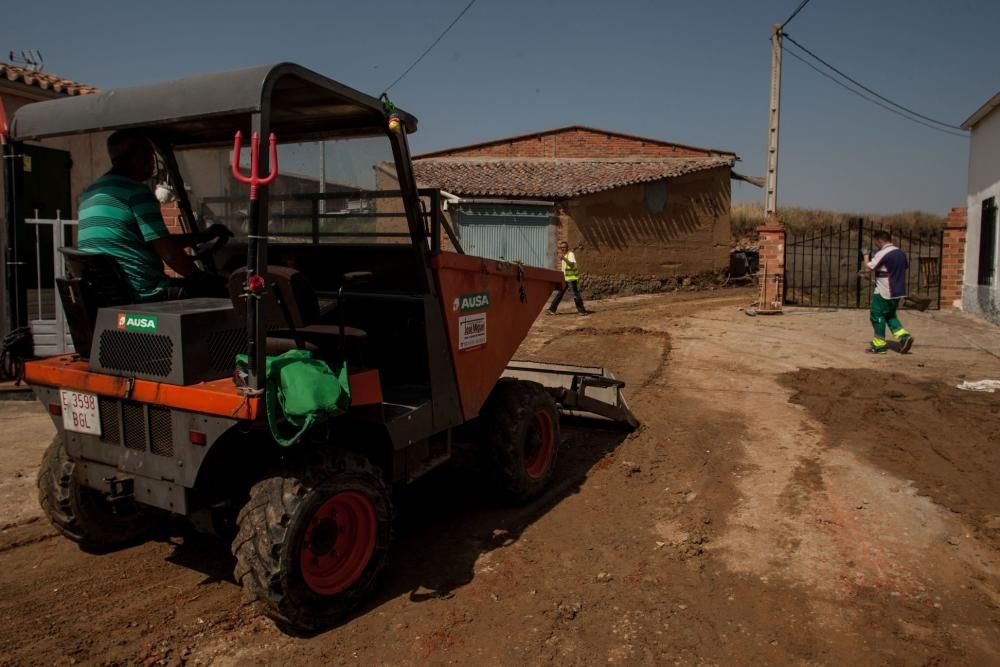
(771, 204)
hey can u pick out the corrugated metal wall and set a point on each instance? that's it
(512, 232)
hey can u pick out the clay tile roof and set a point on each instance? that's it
(43, 80)
(556, 178)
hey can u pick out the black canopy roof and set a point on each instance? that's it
(211, 107)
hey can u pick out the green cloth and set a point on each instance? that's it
(119, 217)
(301, 391)
(882, 312)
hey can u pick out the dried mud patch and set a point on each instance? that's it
(943, 440)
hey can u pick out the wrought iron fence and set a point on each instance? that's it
(824, 267)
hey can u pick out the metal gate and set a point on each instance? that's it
(45, 313)
(510, 231)
(823, 267)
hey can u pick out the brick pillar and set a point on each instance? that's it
(953, 259)
(172, 217)
(771, 238)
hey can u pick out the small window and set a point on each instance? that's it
(988, 243)
(656, 197)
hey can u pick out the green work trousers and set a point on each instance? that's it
(883, 311)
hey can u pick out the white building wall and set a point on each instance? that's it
(984, 182)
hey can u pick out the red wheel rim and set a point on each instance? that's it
(338, 542)
(539, 445)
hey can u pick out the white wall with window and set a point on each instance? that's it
(981, 288)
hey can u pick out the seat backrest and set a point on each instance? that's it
(289, 299)
(102, 279)
(80, 315)
(93, 281)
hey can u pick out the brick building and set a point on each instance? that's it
(639, 212)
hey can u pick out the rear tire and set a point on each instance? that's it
(313, 540)
(520, 438)
(82, 514)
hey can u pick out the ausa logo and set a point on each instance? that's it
(468, 302)
(128, 322)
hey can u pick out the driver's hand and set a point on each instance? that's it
(218, 231)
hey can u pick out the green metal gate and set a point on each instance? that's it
(512, 232)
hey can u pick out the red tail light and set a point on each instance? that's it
(55, 409)
(198, 438)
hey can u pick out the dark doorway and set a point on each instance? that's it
(988, 243)
(42, 185)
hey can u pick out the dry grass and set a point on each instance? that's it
(747, 216)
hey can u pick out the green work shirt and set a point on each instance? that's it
(119, 217)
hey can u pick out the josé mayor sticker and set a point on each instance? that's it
(471, 331)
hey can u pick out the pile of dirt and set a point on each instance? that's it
(942, 439)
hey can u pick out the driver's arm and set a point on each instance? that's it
(214, 231)
(146, 210)
(172, 253)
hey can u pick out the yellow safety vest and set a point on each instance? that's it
(571, 270)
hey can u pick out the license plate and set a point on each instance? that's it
(80, 412)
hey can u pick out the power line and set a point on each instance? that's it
(870, 99)
(795, 13)
(869, 90)
(433, 44)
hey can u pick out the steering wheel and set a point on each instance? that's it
(205, 251)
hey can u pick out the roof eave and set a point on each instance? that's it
(36, 93)
(982, 112)
(582, 192)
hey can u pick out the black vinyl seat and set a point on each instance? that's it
(293, 313)
(92, 281)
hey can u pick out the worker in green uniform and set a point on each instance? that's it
(571, 272)
(119, 216)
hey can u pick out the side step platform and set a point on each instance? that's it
(586, 390)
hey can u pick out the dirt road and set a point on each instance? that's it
(788, 500)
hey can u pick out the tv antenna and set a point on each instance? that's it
(29, 58)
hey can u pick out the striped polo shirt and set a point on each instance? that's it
(119, 217)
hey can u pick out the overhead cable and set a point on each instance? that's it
(433, 44)
(795, 13)
(871, 99)
(869, 90)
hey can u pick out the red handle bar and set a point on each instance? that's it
(254, 180)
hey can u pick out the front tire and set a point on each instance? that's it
(314, 539)
(520, 438)
(82, 514)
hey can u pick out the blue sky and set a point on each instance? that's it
(692, 71)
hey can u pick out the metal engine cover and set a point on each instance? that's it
(176, 342)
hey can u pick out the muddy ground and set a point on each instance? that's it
(788, 500)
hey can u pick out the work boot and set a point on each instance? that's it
(878, 345)
(905, 343)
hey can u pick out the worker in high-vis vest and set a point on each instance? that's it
(571, 272)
